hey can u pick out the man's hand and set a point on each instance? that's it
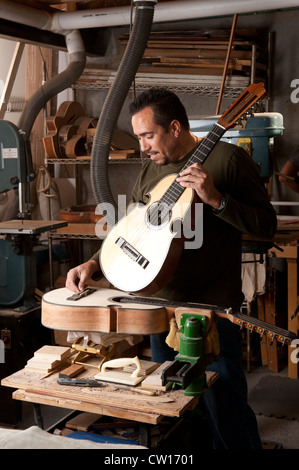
(77, 277)
(197, 178)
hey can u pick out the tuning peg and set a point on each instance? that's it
(261, 333)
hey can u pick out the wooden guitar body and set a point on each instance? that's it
(76, 145)
(137, 247)
(110, 310)
(100, 311)
(67, 113)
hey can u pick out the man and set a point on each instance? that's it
(291, 169)
(234, 202)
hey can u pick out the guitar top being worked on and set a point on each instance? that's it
(109, 310)
(127, 257)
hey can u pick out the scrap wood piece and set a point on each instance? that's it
(73, 370)
(154, 380)
(83, 421)
(53, 352)
(226, 66)
(47, 359)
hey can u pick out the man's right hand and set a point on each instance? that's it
(77, 277)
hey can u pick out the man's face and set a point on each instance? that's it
(158, 144)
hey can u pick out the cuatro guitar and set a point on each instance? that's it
(142, 250)
(109, 310)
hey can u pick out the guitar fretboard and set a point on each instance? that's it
(201, 153)
(251, 323)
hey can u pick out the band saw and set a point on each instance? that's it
(21, 331)
(18, 237)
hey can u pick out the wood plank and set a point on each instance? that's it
(290, 252)
(218, 47)
(205, 65)
(151, 53)
(83, 421)
(174, 70)
(73, 370)
(37, 59)
(261, 316)
(10, 79)
(106, 410)
(57, 353)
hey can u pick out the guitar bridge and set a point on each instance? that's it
(132, 252)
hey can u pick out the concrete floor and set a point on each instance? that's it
(283, 431)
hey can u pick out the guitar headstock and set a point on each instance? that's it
(243, 103)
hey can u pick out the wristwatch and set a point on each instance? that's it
(222, 205)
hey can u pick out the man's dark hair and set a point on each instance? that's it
(165, 104)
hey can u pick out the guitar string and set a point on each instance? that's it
(165, 204)
(175, 190)
(243, 318)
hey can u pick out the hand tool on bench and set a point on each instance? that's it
(64, 379)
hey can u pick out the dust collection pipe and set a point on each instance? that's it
(37, 102)
(112, 107)
(55, 85)
(165, 12)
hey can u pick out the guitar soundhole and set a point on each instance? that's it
(158, 215)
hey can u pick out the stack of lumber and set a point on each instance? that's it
(188, 61)
(123, 145)
(179, 80)
(196, 53)
(47, 358)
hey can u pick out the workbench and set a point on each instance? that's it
(108, 400)
(285, 245)
(286, 239)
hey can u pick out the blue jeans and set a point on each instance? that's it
(232, 422)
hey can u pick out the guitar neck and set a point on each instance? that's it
(260, 327)
(207, 144)
(244, 321)
(201, 153)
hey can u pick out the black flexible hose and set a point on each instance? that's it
(36, 103)
(112, 107)
(55, 85)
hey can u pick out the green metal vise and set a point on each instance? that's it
(188, 368)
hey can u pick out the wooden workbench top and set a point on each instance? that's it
(108, 399)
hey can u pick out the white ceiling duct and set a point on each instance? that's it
(117, 16)
(166, 12)
(24, 15)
